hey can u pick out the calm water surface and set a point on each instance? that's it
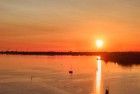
(50, 75)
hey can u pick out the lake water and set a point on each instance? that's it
(21, 74)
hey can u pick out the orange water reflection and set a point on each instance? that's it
(90, 75)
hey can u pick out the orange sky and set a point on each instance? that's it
(64, 25)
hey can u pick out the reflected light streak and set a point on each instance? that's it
(98, 76)
(98, 58)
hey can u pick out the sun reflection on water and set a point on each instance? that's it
(98, 75)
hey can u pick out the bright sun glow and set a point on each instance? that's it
(99, 43)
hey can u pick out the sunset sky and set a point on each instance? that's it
(69, 25)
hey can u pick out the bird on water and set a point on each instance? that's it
(107, 91)
(70, 72)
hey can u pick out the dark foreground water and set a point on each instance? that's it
(50, 75)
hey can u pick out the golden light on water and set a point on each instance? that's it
(98, 75)
(98, 58)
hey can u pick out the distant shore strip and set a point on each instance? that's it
(68, 53)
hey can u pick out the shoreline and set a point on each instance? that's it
(67, 53)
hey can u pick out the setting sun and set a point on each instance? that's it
(99, 43)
